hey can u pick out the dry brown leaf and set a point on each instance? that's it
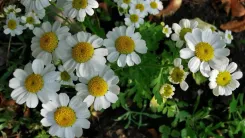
(235, 25)
(237, 9)
(172, 7)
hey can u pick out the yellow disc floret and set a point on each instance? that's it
(153, 5)
(177, 75)
(134, 18)
(30, 20)
(65, 116)
(12, 24)
(65, 76)
(49, 42)
(97, 86)
(79, 4)
(34, 83)
(183, 32)
(140, 7)
(82, 52)
(167, 91)
(125, 45)
(223, 78)
(204, 51)
(126, 1)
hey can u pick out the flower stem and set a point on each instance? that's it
(10, 39)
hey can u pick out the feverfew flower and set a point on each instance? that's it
(122, 44)
(35, 82)
(33, 5)
(181, 29)
(134, 18)
(223, 79)
(167, 91)
(66, 118)
(99, 89)
(79, 8)
(66, 76)
(228, 37)
(11, 8)
(155, 6)
(166, 30)
(82, 52)
(30, 19)
(45, 43)
(124, 3)
(39, 13)
(12, 26)
(140, 5)
(177, 75)
(205, 48)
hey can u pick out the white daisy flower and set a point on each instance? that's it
(35, 82)
(79, 8)
(124, 3)
(35, 4)
(223, 79)
(228, 37)
(181, 29)
(11, 8)
(82, 52)
(166, 30)
(122, 43)
(12, 26)
(66, 76)
(39, 13)
(66, 118)
(205, 48)
(134, 18)
(99, 89)
(140, 5)
(155, 6)
(167, 91)
(45, 43)
(30, 19)
(177, 75)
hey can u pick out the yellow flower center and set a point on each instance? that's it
(65, 116)
(134, 18)
(229, 36)
(97, 86)
(204, 51)
(140, 7)
(153, 5)
(30, 20)
(166, 91)
(48, 42)
(126, 1)
(125, 45)
(165, 30)
(82, 52)
(223, 78)
(34, 83)
(65, 76)
(79, 4)
(177, 75)
(183, 32)
(11, 10)
(12, 24)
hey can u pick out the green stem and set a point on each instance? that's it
(239, 115)
(10, 39)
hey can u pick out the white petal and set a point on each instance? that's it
(69, 133)
(32, 100)
(101, 52)
(141, 46)
(78, 131)
(212, 84)
(15, 83)
(222, 52)
(20, 74)
(121, 62)
(186, 53)
(177, 62)
(105, 104)
(37, 66)
(115, 89)
(237, 75)
(231, 67)
(194, 64)
(184, 86)
(98, 104)
(111, 97)
(84, 123)
(135, 58)
(45, 122)
(129, 60)
(64, 99)
(216, 91)
(205, 69)
(46, 26)
(89, 100)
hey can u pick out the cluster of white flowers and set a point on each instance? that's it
(75, 60)
(137, 10)
(206, 52)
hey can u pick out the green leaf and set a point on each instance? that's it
(199, 78)
(175, 133)
(233, 105)
(188, 133)
(165, 130)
